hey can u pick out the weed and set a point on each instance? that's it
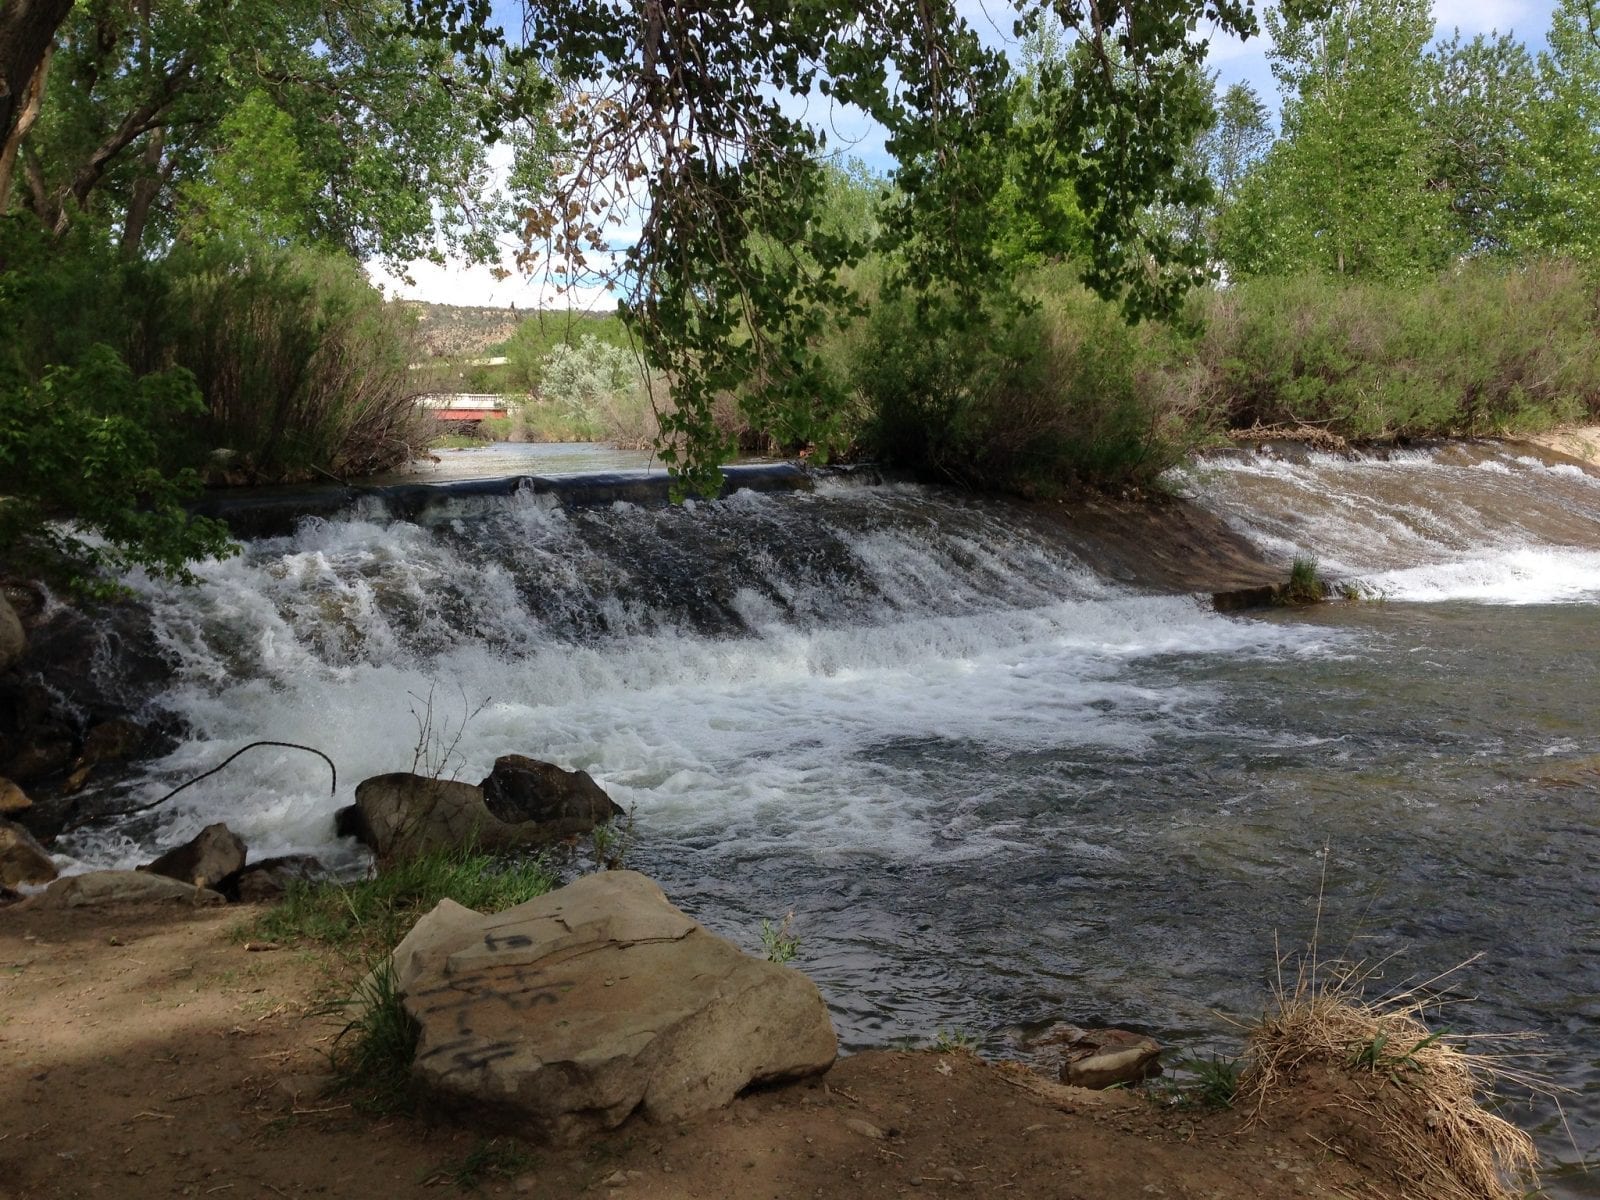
(369, 917)
(949, 1041)
(1215, 1081)
(611, 842)
(1305, 586)
(780, 944)
(493, 1158)
(438, 743)
(372, 1053)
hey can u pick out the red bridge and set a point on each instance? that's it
(471, 407)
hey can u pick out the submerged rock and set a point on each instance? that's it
(566, 1015)
(22, 859)
(213, 855)
(12, 798)
(120, 887)
(13, 641)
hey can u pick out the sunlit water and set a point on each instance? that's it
(994, 788)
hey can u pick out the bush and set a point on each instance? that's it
(302, 364)
(1485, 349)
(88, 476)
(1065, 395)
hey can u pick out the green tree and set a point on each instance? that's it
(1479, 103)
(1240, 138)
(1560, 178)
(384, 135)
(1345, 190)
(256, 188)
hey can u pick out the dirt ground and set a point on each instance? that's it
(147, 1053)
(1579, 441)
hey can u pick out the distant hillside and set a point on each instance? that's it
(451, 331)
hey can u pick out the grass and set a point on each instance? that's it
(492, 1158)
(372, 1053)
(780, 944)
(1422, 1092)
(368, 918)
(1213, 1082)
(1304, 586)
(949, 1041)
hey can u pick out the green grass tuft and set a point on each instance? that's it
(493, 1158)
(368, 918)
(373, 1052)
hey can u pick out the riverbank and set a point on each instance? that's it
(1578, 441)
(147, 1052)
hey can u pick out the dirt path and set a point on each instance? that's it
(144, 1053)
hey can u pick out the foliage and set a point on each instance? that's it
(952, 1041)
(350, 132)
(369, 917)
(1557, 177)
(779, 943)
(302, 364)
(1346, 190)
(583, 378)
(537, 336)
(1213, 1082)
(1484, 349)
(684, 125)
(84, 492)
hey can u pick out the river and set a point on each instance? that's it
(995, 787)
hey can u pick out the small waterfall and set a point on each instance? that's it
(1486, 522)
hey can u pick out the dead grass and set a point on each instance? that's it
(1421, 1093)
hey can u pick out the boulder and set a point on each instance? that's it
(565, 1015)
(120, 887)
(13, 642)
(525, 789)
(22, 859)
(1102, 1058)
(270, 878)
(12, 798)
(208, 858)
(403, 815)
(112, 741)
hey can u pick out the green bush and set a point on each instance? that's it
(302, 364)
(1065, 395)
(1485, 349)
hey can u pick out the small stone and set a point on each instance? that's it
(865, 1128)
(12, 798)
(22, 859)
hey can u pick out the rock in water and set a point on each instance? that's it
(270, 878)
(525, 789)
(403, 815)
(1102, 1058)
(119, 887)
(214, 854)
(12, 798)
(22, 860)
(564, 1015)
(13, 641)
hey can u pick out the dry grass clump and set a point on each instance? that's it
(1412, 1099)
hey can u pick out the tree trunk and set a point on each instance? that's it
(145, 190)
(27, 31)
(32, 100)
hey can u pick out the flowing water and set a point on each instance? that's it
(994, 787)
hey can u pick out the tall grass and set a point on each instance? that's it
(302, 364)
(1484, 349)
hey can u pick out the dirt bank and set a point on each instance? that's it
(1580, 441)
(144, 1053)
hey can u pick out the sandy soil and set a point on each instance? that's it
(1580, 442)
(144, 1053)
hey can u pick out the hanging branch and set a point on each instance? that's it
(129, 812)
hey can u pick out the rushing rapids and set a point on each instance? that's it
(995, 786)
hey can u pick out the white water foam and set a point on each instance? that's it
(826, 725)
(1423, 526)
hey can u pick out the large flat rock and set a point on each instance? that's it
(569, 1013)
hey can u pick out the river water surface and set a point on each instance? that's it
(994, 787)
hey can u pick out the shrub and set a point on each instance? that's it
(302, 364)
(1485, 349)
(1066, 394)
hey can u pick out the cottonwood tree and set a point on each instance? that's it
(1346, 189)
(1559, 181)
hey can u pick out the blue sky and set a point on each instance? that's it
(1234, 62)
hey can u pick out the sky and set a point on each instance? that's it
(1233, 61)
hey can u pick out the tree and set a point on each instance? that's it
(1240, 138)
(389, 132)
(1479, 101)
(1345, 190)
(1560, 178)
